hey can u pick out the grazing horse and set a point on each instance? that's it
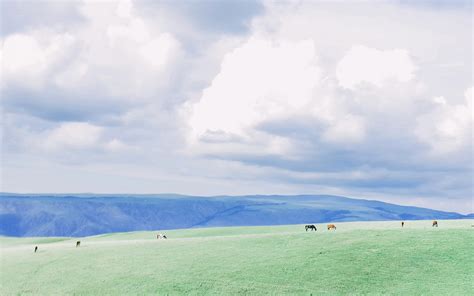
(159, 235)
(36, 248)
(403, 223)
(78, 244)
(311, 227)
(435, 223)
(331, 226)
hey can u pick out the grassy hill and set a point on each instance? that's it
(358, 258)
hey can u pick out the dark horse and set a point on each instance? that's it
(311, 227)
(36, 248)
(161, 236)
(78, 243)
(403, 224)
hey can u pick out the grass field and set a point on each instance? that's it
(358, 258)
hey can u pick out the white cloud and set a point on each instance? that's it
(28, 59)
(133, 30)
(259, 80)
(362, 64)
(448, 127)
(116, 53)
(348, 129)
(124, 8)
(72, 76)
(312, 87)
(161, 50)
(68, 135)
(264, 80)
(22, 52)
(116, 145)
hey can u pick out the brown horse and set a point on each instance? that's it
(78, 244)
(331, 226)
(435, 223)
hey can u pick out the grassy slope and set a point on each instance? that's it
(359, 258)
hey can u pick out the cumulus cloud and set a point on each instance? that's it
(346, 130)
(160, 50)
(264, 81)
(114, 57)
(362, 64)
(258, 80)
(27, 61)
(362, 99)
(448, 127)
(367, 106)
(73, 135)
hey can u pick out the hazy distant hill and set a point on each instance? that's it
(83, 215)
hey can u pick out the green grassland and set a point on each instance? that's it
(358, 258)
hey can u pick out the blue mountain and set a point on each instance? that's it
(90, 214)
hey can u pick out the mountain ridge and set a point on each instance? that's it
(91, 214)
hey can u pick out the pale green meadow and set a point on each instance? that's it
(359, 258)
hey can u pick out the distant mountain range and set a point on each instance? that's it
(91, 214)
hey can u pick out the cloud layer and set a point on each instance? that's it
(369, 100)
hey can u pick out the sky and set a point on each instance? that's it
(362, 99)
